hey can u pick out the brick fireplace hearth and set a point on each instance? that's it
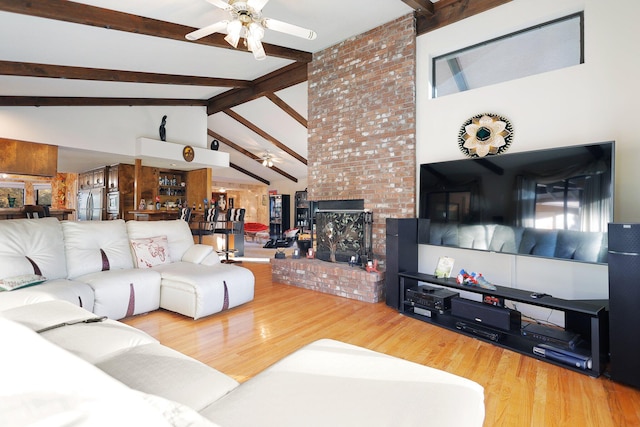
(329, 277)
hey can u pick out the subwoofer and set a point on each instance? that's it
(486, 315)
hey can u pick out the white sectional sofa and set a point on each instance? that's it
(66, 360)
(61, 368)
(118, 269)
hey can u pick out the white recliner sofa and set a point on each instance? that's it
(117, 269)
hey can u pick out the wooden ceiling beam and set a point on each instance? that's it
(249, 154)
(28, 69)
(233, 145)
(248, 173)
(280, 79)
(246, 123)
(449, 11)
(287, 109)
(78, 13)
(65, 101)
(422, 7)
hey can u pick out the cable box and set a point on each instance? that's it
(550, 335)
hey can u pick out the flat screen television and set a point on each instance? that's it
(568, 188)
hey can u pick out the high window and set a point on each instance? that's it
(43, 194)
(11, 194)
(545, 47)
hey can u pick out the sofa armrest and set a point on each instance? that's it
(197, 253)
(212, 259)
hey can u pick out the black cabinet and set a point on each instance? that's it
(279, 215)
(588, 319)
(303, 212)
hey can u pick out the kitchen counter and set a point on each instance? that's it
(155, 215)
(14, 213)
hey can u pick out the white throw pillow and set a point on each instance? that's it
(151, 251)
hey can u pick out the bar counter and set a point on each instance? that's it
(15, 213)
(155, 215)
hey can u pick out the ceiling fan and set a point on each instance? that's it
(268, 159)
(247, 21)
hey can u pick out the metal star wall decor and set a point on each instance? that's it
(485, 134)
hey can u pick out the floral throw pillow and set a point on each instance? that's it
(150, 251)
(21, 281)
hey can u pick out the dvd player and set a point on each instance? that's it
(483, 333)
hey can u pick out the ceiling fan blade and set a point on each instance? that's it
(294, 30)
(209, 29)
(257, 4)
(221, 4)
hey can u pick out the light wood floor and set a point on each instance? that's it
(519, 390)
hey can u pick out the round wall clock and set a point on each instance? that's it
(187, 153)
(485, 134)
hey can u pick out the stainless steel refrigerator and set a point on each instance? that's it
(91, 205)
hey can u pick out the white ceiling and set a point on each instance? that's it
(46, 41)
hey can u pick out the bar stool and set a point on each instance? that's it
(233, 225)
(206, 225)
(36, 211)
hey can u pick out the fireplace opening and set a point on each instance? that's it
(344, 231)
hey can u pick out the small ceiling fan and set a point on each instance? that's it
(247, 21)
(268, 159)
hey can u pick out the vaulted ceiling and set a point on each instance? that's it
(122, 52)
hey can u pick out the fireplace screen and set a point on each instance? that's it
(343, 235)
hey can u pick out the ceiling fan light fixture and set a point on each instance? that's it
(256, 31)
(234, 30)
(258, 51)
(267, 160)
(255, 34)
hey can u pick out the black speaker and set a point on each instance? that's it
(402, 255)
(486, 314)
(624, 302)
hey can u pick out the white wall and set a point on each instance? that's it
(592, 102)
(106, 129)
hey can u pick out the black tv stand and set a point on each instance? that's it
(587, 318)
